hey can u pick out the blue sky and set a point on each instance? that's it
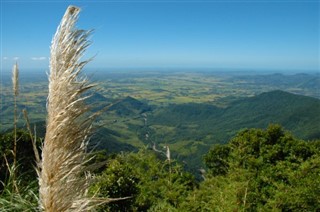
(255, 35)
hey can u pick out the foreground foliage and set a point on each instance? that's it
(266, 170)
(26, 199)
(25, 157)
(151, 182)
(258, 170)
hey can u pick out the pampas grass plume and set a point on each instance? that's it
(15, 79)
(63, 183)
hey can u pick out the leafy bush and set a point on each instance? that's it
(151, 182)
(276, 171)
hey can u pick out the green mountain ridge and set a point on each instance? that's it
(195, 127)
(129, 106)
(295, 112)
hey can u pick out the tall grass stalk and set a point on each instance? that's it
(63, 183)
(169, 161)
(15, 83)
(33, 141)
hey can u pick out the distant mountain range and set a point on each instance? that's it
(280, 80)
(305, 84)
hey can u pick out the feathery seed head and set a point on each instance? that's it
(168, 153)
(15, 79)
(62, 180)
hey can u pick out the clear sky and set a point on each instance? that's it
(276, 35)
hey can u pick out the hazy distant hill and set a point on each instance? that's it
(306, 84)
(277, 79)
(313, 83)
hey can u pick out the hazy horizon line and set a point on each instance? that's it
(186, 69)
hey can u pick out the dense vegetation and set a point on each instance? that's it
(25, 156)
(267, 170)
(24, 198)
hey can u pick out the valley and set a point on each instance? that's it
(187, 110)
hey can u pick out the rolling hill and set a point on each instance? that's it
(299, 114)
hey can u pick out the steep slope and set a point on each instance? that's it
(299, 114)
(129, 106)
(176, 114)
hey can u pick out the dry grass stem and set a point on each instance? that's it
(33, 140)
(15, 83)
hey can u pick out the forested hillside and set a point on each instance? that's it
(257, 170)
(190, 128)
